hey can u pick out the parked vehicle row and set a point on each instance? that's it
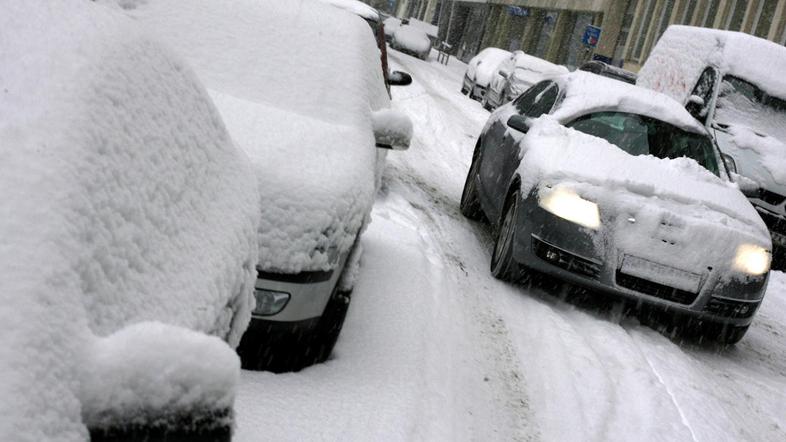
(515, 75)
(619, 188)
(173, 188)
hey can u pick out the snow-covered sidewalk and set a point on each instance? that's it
(434, 348)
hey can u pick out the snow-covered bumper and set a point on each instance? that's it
(595, 259)
(776, 223)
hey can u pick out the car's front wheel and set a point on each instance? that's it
(503, 265)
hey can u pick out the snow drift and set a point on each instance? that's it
(124, 201)
(299, 102)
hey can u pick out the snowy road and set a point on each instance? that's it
(434, 348)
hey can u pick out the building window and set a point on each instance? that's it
(687, 15)
(764, 18)
(664, 17)
(649, 8)
(622, 38)
(710, 13)
(734, 23)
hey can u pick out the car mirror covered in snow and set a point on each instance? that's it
(748, 186)
(392, 129)
(519, 122)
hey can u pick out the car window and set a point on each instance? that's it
(640, 135)
(538, 100)
(743, 104)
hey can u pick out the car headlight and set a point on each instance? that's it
(567, 204)
(270, 302)
(751, 259)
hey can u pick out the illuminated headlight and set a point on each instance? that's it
(270, 302)
(567, 204)
(753, 260)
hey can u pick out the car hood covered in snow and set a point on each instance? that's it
(296, 83)
(712, 214)
(126, 211)
(412, 38)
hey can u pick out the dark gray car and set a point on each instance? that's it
(619, 192)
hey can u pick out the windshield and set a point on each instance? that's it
(640, 135)
(742, 103)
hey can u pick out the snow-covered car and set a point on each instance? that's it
(411, 40)
(515, 75)
(623, 192)
(733, 83)
(391, 24)
(600, 68)
(481, 69)
(310, 125)
(129, 225)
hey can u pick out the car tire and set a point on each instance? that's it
(503, 265)
(470, 204)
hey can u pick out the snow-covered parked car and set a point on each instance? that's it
(129, 234)
(411, 40)
(517, 74)
(481, 69)
(620, 191)
(310, 125)
(391, 24)
(607, 70)
(733, 83)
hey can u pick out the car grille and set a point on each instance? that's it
(731, 309)
(565, 260)
(774, 223)
(771, 198)
(655, 289)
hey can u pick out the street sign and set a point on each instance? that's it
(518, 11)
(591, 36)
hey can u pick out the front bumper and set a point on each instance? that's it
(557, 247)
(777, 226)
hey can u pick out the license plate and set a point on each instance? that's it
(662, 274)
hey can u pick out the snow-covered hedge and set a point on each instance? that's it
(123, 201)
(296, 84)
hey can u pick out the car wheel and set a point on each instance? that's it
(470, 204)
(503, 265)
(485, 102)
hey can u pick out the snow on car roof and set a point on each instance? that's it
(585, 92)
(412, 38)
(296, 83)
(683, 52)
(355, 7)
(526, 61)
(124, 202)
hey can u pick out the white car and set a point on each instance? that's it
(517, 74)
(411, 40)
(317, 128)
(129, 233)
(481, 69)
(733, 83)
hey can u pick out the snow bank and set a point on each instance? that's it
(295, 84)
(483, 66)
(683, 52)
(412, 38)
(124, 200)
(582, 97)
(679, 192)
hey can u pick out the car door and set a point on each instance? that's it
(500, 144)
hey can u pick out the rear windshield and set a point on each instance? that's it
(640, 135)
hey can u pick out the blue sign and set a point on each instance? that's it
(518, 11)
(591, 36)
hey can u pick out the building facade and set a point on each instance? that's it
(553, 29)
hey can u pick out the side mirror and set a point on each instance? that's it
(519, 122)
(398, 78)
(392, 129)
(748, 187)
(697, 108)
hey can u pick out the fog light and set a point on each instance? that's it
(270, 302)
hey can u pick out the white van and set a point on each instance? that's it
(733, 83)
